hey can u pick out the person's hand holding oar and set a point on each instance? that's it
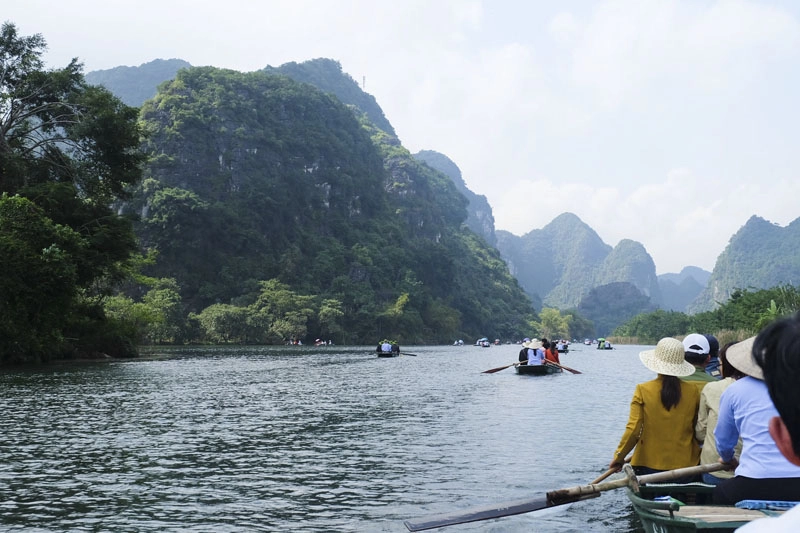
(609, 472)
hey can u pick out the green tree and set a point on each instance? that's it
(38, 286)
(651, 327)
(552, 324)
(71, 149)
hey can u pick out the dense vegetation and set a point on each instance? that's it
(259, 183)
(759, 256)
(67, 151)
(746, 312)
(327, 76)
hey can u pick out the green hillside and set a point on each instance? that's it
(761, 255)
(256, 177)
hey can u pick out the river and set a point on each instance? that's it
(237, 439)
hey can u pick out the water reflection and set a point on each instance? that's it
(305, 439)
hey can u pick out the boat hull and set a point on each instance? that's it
(388, 354)
(537, 370)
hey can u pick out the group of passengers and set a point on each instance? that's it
(708, 405)
(538, 352)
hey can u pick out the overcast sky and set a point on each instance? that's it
(667, 122)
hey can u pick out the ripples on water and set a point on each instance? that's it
(300, 439)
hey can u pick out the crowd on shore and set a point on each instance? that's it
(739, 406)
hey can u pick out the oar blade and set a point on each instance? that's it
(476, 514)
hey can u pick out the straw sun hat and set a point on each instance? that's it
(534, 343)
(667, 358)
(740, 355)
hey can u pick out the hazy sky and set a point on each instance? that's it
(667, 122)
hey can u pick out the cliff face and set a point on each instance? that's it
(255, 176)
(760, 255)
(480, 218)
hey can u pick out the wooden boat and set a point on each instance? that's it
(388, 354)
(537, 370)
(681, 508)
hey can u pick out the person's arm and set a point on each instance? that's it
(726, 433)
(632, 430)
(701, 426)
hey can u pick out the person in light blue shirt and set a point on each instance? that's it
(535, 353)
(762, 472)
(777, 352)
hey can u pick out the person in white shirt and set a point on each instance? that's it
(535, 352)
(777, 351)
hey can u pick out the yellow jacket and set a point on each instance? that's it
(664, 440)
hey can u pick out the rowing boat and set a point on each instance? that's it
(537, 370)
(388, 354)
(681, 508)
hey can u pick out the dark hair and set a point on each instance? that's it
(545, 345)
(695, 358)
(777, 351)
(670, 391)
(728, 370)
(713, 345)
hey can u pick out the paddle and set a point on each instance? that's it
(411, 354)
(499, 368)
(564, 367)
(609, 472)
(553, 498)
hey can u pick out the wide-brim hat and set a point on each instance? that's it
(535, 344)
(740, 355)
(667, 358)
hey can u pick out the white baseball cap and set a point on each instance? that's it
(696, 343)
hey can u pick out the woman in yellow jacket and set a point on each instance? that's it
(663, 415)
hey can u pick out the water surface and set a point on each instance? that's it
(309, 439)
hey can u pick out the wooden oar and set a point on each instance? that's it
(553, 498)
(548, 362)
(499, 368)
(609, 472)
(406, 353)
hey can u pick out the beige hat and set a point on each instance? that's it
(740, 355)
(667, 358)
(533, 344)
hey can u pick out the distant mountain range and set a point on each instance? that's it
(564, 263)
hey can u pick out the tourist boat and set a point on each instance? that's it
(537, 370)
(680, 508)
(388, 354)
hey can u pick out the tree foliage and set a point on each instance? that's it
(67, 151)
(257, 177)
(747, 311)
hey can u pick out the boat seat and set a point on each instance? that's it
(714, 513)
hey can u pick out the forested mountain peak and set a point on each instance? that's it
(258, 177)
(327, 75)
(565, 260)
(760, 255)
(134, 85)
